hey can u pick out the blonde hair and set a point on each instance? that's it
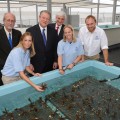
(73, 35)
(32, 49)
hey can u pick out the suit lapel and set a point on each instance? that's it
(54, 25)
(14, 38)
(61, 31)
(5, 40)
(39, 36)
(48, 36)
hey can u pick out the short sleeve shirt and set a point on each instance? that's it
(17, 61)
(69, 51)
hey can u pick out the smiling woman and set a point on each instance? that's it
(69, 50)
(18, 61)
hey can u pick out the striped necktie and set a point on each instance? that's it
(10, 40)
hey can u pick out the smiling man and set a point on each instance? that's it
(59, 24)
(9, 38)
(45, 43)
(94, 40)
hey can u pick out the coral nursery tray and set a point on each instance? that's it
(87, 99)
(78, 94)
(34, 111)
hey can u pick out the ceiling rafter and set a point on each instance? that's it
(55, 3)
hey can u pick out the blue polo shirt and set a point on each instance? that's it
(17, 61)
(69, 51)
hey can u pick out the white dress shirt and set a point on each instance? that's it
(7, 33)
(44, 31)
(93, 42)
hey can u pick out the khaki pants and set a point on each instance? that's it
(7, 80)
(95, 57)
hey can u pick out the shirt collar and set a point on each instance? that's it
(41, 28)
(7, 33)
(69, 42)
(23, 51)
(57, 26)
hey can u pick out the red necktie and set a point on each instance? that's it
(57, 28)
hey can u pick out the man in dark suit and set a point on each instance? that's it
(45, 43)
(5, 45)
(1, 26)
(59, 24)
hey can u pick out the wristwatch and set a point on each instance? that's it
(74, 63)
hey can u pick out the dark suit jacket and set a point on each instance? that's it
(45, 55)
(61, 31)
(5, 46)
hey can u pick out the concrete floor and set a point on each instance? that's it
(114, 55)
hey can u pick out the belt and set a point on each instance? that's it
(95, 57)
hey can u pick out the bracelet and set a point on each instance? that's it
(60, 69)
(74, 63)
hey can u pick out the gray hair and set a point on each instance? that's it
(61, 13)
(9, 13)
(45, 11)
